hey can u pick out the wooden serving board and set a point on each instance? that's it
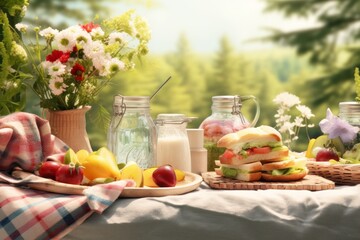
(310, 182)
(190, 183)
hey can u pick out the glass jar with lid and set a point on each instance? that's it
(132, 132)
(226, 117)
(350, 112)
(172, 143)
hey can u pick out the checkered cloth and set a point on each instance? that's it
(26, 140)
(31, 214)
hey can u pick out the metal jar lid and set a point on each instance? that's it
(132, 101)
(349, 108)
(227, 101)
(172, 118)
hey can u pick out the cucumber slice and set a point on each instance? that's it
(323, 140)
(339, 145)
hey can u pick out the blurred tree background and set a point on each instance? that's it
(332, 44)
(317, 65)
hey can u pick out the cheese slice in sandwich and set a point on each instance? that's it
(252, 144)
(246, 172)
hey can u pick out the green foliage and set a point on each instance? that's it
(187, 69)
(68, 12)
(44, 12)
(357, 84)
(224, 69)
(331, 43)
(12, 58)
(15, 11)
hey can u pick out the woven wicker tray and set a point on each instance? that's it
(342, 174)
(310, 182)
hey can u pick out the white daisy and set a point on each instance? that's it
(100, 64)
(56, 68)
(21, 27)
(97, 32)
(45, 64)
(83, 37)
(65, 40)
(74, 29)
(57, 85)
(114, 66)
(48, 33)
(121, 37)
(94, 49)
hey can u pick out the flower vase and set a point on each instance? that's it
(70, 127)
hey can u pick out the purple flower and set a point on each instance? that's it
(336, 127)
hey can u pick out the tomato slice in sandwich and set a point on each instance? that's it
(259, 150)
(228, 154)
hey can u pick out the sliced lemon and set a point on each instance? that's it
(180, 175)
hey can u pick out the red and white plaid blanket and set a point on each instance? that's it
(26, 141)
(31, 214)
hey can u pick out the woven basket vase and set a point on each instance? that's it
(70, 127)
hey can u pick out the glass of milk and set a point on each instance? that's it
(172, 142)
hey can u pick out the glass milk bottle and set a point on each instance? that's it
(132, 132)
(226, 118)
(172, 143)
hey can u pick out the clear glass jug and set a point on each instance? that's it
(172, 143)
(132, 132)
(226, 118)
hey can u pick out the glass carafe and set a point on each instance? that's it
(172, 143)
(226, 118)
(132, 132)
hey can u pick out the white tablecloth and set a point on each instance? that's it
(230, 214)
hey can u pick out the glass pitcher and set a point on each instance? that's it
(226, 118)
(132, 132)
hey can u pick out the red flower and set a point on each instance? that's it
(58, 55)
(64, 58)
(89, 26)
(78, 72)
(55, 55)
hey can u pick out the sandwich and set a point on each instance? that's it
(248, 172)
(252, 144)
(246, 150)
(284, 171)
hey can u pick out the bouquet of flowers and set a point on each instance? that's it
(80, 60)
